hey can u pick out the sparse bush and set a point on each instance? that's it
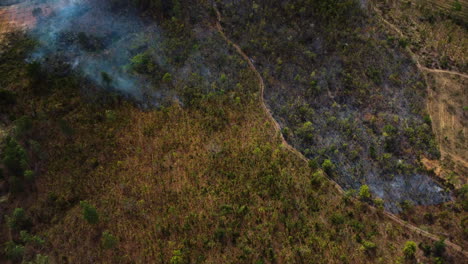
(427, 120)
(31, 239)
(306, 131)
(372, 152)
(29, 175)
(456, 6)
(337, 219)
(18, 220)
(7, 98)
(40, 259)
(328, 166)
(14, 157)
(409, 249)
(389, 130)
(407, 206)
(142, 63)
(111, 115)
(317, 178)
(403, 42)
(106, 78)
(426, 249)
(22, 126)
(368, 246)
(16, 184)
(379, 203)
(35, 73)
(13, 251)
(313, 164)
(90, 213)
(364, 192)
(177, 257)
(108, 240)
(439, 248)
(167, 77)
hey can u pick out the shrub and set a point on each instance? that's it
(106, 78)
(40, 259)
(427, 120)
(389, 130)
(177, 257)
(7, 98)
(167, 77)
(328, 166)
(409, 249)
(90, 213)
(379, 203)
(337, 219)
(14, 157)
(439, 248)
(372, 152)
(31, 239)
(16, 184)
(111, 115)
(29, 175)
(34, 70)
(313, 164)
(306, 131)
(368, 246)
(13, 251)
(108, 240)
(142, 63)
(317, 178)
(456, 6)
(364, 192)
(22, 126)
(426, 249)
(18, 220)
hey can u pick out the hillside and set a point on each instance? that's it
(142, 133)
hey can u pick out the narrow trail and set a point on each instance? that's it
(277, 128)
(444, 71)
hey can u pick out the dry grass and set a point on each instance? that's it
(439, 41)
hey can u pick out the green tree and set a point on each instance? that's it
(328, 166)
(364, 192)
(90, 213)
(409, 249)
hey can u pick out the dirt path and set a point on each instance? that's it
(444, 71)
(413, 55)
(458, 159)
(277, 128)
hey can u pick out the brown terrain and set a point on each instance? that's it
(22, 15)
(447, 98)
(433, 43)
